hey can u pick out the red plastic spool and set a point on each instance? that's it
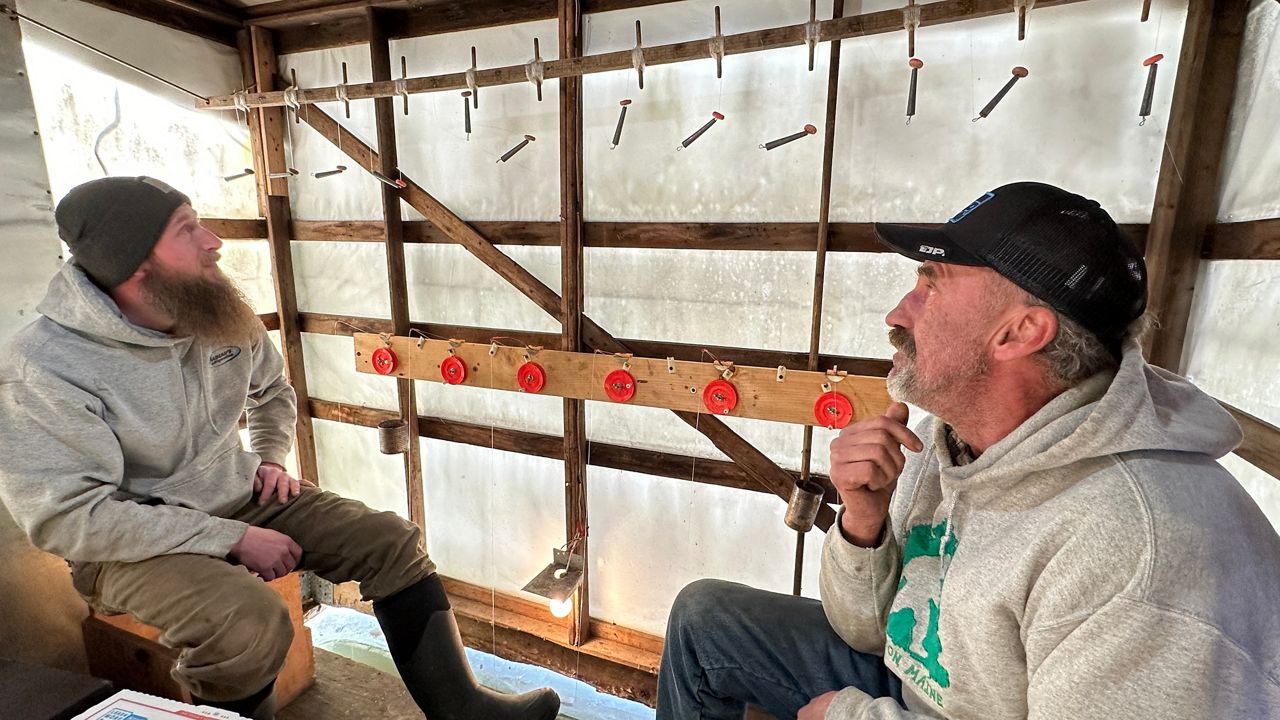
(531, 377)
(833, 410)
(720, 397)
(453, 370)
(384, 361)
(620, 386)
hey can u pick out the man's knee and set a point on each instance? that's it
(701, 601)
(257, 629)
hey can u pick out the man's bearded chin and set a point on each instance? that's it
(211, 309)
(902, 382)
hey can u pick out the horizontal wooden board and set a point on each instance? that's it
(674, 384)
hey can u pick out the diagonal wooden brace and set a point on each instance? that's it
(754, 462)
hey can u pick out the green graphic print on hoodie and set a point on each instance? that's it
(1096, 563)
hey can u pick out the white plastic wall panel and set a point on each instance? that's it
(1251, 159)
(351, 466)
(1073, 122)
(652, 536)
(331, 375)
(160, 136)
(1233, 349)
(493, 517)
(447, 284)
(433, 149)
(248, 264)
(342, 278)
(724, 176)
(354, 194)
(486, 406)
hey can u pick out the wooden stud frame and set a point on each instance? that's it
(674, 385)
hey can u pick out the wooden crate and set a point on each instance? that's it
(129, 654)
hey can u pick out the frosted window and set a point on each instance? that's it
(1251, 160)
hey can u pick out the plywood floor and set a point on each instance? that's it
(348, 690)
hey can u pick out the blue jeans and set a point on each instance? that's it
(729, 645)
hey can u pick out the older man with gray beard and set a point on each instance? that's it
(119, 434)
(1056, 541)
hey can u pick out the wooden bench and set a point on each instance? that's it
(129, 654)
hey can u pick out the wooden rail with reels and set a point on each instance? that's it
(825, 399)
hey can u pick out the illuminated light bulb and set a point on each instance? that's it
(562, 608)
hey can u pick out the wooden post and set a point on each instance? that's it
(269, 157)
(397, 279)
(571, 288)
(1187, 191)
(820, 263)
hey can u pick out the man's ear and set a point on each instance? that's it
(1025, 331)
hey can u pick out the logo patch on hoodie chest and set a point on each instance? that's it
(222, 356)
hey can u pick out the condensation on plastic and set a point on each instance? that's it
(248, 264)
(1251, 158)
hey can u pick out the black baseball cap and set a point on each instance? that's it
(1061, 247)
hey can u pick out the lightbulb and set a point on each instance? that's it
(562, 608)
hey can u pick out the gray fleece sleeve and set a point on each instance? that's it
(61, 466)
(271, 407)
(857, 585)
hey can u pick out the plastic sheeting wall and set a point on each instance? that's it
(1072, 122)
(493, 517)
(1233, 341)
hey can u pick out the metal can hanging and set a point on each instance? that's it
(620, 386)
(453, 370)
(531, 377)
(833, 410)
(720, 397)
(384, 361)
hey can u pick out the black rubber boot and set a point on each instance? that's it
(258, 706)
(427, 648)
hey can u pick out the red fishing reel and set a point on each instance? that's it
(720, 397)
(833, 410)
(531, 377)
(453, 370)
(384, 361)
(620, 386)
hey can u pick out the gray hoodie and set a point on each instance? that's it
(122, 443)
(1095, 563)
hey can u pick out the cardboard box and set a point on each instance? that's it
(133, 705)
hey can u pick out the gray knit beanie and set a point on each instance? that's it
(112, 224)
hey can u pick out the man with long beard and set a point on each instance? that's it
(119, 434)
(1056, 541)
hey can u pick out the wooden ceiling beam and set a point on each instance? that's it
(936, 13)
(210, 24)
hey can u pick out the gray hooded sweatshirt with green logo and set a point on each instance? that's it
(122, 443)
(1095, 563)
